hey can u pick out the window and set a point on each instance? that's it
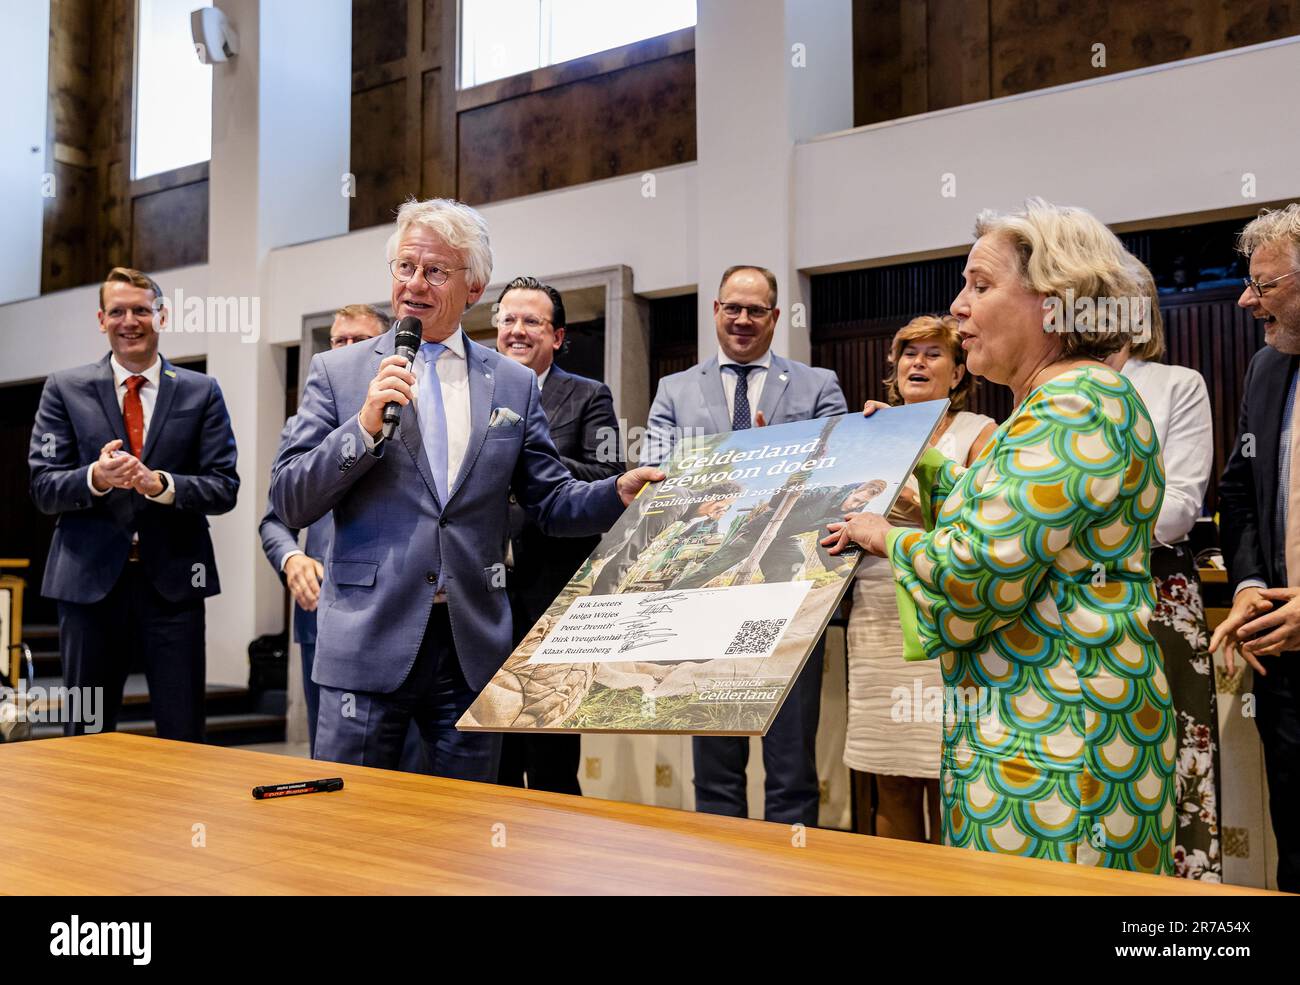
(506, 37)
(173, 89)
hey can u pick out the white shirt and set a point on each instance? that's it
(453, 377)
(148, 397)
(1179, 405)
(757, 377)
(541, 377)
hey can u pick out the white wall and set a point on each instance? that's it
(1164, 141)
(24, 69)
(615, 221)
(280, 140)
(756, 93)
(60, 330)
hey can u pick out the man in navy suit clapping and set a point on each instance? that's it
(133, 454)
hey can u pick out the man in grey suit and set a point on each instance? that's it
(413, 618)
(746, 385)
(302, 568)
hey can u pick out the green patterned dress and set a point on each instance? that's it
(1033, 588)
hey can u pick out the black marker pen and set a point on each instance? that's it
(305, 786)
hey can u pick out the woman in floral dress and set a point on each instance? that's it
(1031, 583)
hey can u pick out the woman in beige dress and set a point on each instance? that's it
(895, 725)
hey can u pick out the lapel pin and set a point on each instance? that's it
(783, 377)
(170, 372)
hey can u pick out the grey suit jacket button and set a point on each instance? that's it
(431, 578)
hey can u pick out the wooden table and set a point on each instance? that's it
(126, 814)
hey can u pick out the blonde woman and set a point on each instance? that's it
(891, 744)
(1031, 584)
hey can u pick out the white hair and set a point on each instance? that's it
(1270, 227)
(457, 225)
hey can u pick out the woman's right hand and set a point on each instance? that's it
(871, 406)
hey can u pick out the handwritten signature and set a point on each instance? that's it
(641, 629)
(660, 604)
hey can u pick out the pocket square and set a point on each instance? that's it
(503, 417)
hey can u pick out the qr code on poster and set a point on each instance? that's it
(756, 636)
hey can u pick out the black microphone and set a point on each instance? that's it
(406, 345)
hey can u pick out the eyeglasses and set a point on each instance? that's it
(756, 311)
(404, 270)
(530, 322)
(339, 341)
(1258, 288)
(140, 311)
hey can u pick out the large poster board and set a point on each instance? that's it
(698, 608)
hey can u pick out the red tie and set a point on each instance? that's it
(133, 414)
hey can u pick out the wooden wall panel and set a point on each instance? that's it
(414, 132)
(378, 155)
(403, 113)
(957, 57)
(437, 167)
(1039, 44)
(970, 50)
(170, 228)
(378, 32)
(112, 122)
(71, 85)
(433, 33)
(637, 119)
(67, 228)
(878, 58)
(89, 226)
(69, 149)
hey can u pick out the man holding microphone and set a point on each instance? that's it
(413, 617)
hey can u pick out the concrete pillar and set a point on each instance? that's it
(280, 135)
(768, 73)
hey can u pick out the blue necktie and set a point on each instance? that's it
(433, 418)
(740, 417)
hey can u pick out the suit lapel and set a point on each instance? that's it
(559, 385)
(715, 398)
(778, 378)
(1272, 391)
(105, 388)
(481, 389)
(161, 407)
